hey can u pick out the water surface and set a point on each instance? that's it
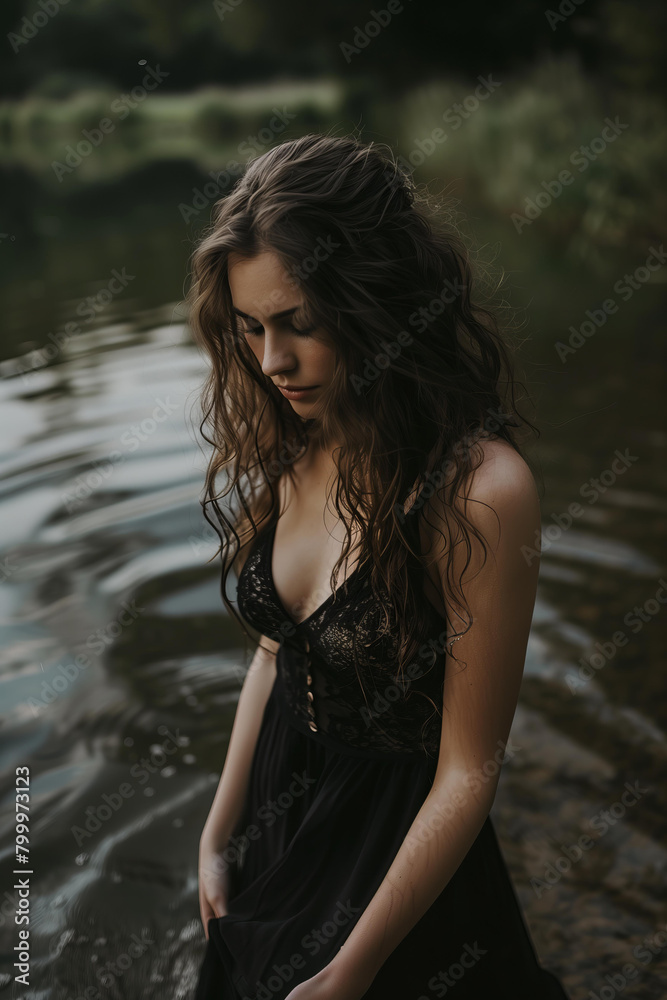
(105, 556)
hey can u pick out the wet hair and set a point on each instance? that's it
(422, 372)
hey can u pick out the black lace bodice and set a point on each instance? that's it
(360, 706)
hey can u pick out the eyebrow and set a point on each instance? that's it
(278, 315)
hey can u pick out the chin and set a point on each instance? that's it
(303, 409)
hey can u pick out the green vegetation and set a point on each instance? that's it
(505, 149)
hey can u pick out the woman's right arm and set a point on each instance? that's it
(231, 792)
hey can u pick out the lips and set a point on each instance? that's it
(299, 394)
(296, 388)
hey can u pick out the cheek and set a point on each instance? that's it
(256, 347)
(322, 359)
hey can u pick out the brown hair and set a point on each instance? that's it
(421, 372)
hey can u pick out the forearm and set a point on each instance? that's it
(438, 840)
(229, 797)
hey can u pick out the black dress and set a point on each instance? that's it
(338, 775)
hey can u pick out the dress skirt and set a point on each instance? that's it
(321, 826)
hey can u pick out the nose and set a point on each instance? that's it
(278, 354)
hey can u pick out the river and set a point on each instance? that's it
(104, 555)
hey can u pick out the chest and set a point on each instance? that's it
(303, 550)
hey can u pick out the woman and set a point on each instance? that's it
(354, 405)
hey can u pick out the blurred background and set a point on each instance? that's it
(121, 124)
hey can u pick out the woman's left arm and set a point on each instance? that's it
(479, 700)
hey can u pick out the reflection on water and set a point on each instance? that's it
(120, 669)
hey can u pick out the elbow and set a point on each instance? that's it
(464, 791)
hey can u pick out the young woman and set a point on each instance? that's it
(360, 407)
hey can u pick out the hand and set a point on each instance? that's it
(331, 984)
(213, 879)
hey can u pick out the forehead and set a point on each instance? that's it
(262, 283)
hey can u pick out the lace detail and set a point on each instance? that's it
(360, 706)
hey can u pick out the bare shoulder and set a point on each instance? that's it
(503, 475)
(499, 495)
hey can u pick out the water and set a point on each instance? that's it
(104, 553)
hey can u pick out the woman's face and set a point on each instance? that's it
(267, 304)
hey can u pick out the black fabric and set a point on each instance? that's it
(335, 784)
(347, 649)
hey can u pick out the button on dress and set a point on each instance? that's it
(344, 759)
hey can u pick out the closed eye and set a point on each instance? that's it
(256, 331)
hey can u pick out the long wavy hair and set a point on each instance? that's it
(421, 372)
